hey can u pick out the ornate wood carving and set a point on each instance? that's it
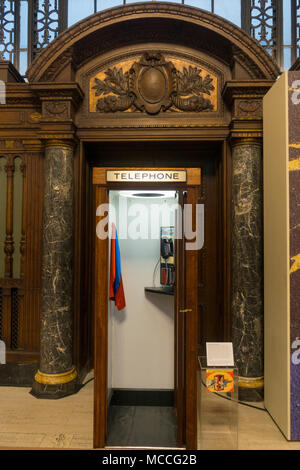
(56, 109)
(153, 85)
(191, 24)
(248, 109)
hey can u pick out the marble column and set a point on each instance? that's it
(247, 266)
(57, 376)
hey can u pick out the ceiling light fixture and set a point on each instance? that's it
(148, 194)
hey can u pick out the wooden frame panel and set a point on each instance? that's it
(190, 300)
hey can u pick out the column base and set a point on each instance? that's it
(251, 389)
(54, 386)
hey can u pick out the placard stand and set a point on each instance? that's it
(217, 409)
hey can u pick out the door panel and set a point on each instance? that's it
(186, 330)
(101, 330)
(179, 325)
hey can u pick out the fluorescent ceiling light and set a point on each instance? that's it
(144, 194)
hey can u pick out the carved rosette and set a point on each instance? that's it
(153, 85)
(248, 108)
(57, 109)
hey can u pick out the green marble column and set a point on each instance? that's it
(247, 266)
(56, 376)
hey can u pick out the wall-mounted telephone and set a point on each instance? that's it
(166, 248)
(167, 267)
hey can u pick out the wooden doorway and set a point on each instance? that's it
(186, 318)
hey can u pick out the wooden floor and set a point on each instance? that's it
(26, 422)
(141, 426)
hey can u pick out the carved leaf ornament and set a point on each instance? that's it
(153, 85)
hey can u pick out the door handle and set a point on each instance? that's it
(186, 310)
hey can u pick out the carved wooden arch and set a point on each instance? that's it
(69, 46)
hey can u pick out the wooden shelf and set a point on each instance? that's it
(160, 290)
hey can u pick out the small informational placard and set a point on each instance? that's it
(2, 353)
(219, 355)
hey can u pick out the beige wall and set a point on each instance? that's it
(276, 254)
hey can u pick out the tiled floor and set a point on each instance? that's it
(26, 422)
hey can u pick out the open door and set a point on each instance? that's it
(186, 316)
(101, 329)
(186, 325)
(179, 324)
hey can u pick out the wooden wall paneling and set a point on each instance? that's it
(226, 230)
(21, 248)
(82, 289)
(101, 325)
(208, 285)
(33, 192)
(90, 260)
(9, 241)
(191, 331)
(77, 259)
(6, 316)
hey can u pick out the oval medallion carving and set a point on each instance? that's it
(152, 85)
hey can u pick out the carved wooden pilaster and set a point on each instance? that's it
(9, 241)
(23, 231)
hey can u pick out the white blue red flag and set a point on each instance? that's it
(116, 291)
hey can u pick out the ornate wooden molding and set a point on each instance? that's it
(248, 109)
(245, 99)
(235, 89)
(59, 103)
(33, 145)
(153, 85)
(248, 46)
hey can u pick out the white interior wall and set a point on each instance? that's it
(141, 344)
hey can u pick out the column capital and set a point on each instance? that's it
(246, 137)
(59, 142)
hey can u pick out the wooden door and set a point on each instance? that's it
(186, 336)
(179, 326)
(101, 330)
(186, 329)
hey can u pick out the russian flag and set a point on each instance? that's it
(116, 291)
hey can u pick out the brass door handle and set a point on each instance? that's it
(186, 310)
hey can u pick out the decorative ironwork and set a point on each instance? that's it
(263, 19)
(297, 39)
(14, 318)
(9, 29)
(48, 18)
(266, 25)
(153, 85)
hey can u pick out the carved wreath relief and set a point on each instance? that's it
(153, 85)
